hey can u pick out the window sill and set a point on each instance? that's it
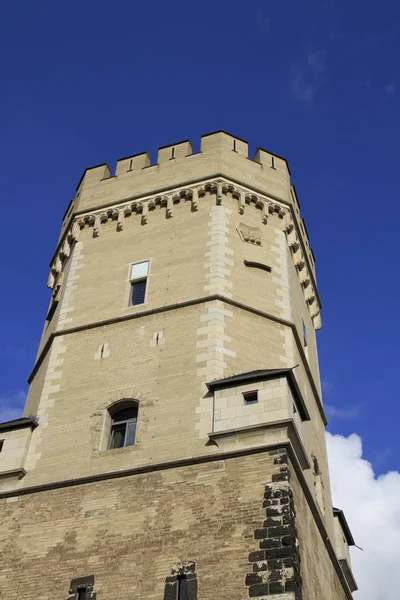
(115, 451)
(135, 306)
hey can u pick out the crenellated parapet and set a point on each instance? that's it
(221, 154)
(194, 194)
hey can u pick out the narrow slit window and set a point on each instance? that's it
(182, 588)
(1, 445)
(250, 397)
(173, 153)
(81, 594)
(272, 162)
(234, 146)
(138, 283)
(304, 334)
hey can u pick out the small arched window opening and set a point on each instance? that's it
(124, 416)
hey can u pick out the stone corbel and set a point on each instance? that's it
(317, 321)
(120, 216)
(304, 277)
(82, 222)
(293, 241)
(309, 294)
(127, 211)
(57, 286)
(57, 266)
(299, 261)
(280, 210)
(170, 207)
(195, 200)
(145, 212)
(66, 249)
(242, 202)
(96, 226)
(265, 212)
(219, 194)
(289, 223)
(50, 280)
(75, 231)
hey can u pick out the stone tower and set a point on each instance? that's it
(172, 444)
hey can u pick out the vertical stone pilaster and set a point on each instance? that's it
(212, 345)
(51, 387)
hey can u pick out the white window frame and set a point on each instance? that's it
(132, 280)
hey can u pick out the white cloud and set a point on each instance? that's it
(333, 412)
(307, 78)
(372, 508)
(11, 406)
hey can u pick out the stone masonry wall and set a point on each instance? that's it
(131, 537)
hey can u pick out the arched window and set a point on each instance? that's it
(123, 424)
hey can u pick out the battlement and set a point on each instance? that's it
(220, 154)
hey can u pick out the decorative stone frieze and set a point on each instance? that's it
(250, 234)
(194, 194)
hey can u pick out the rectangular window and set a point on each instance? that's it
(123, 428)
(138, 283)
(250, 397)
(118, 434)
(304, 333)
(123, 435)
(81, 595)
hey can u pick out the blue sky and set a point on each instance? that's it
(316, 81)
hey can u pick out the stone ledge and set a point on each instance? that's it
(17, 473)
(18, 424)
(293, 438)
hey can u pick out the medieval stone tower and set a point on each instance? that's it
(172, 445)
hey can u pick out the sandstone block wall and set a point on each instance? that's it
(216, 515)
